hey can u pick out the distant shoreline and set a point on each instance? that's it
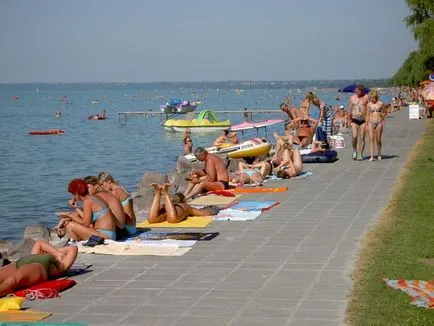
(237, 84)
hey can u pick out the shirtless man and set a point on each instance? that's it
(357, 115)
(214, 177)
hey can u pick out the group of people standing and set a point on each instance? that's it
(365, 113)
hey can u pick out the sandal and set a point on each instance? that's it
(371, 159)
(379, 158)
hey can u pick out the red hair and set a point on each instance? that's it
(78, 187)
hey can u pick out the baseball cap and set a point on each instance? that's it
(341, 107)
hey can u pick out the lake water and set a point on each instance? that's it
(35, 170)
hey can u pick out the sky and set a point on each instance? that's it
(201, 40)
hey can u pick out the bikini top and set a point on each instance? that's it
(378, 110)
(96, 215)
(126, 200)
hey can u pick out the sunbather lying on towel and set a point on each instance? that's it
(46, 262)
(175, 209)
(247, 175)
(291, 165)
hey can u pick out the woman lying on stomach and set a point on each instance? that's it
(46, 262)
(174, 210)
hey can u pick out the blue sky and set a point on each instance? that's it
(201, 40)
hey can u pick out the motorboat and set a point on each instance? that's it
(250, 148)
(206, 121)
(179, 106)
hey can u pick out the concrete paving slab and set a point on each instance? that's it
(288, 267)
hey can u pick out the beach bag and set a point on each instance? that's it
(337, 141)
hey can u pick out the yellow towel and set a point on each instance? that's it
(23, 315)
(213, 200)
(191, 222)
(11, 303)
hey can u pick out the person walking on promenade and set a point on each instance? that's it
(375, 121)
(357, 111)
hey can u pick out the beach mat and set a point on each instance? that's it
(213, 199)
(137, 242)
(26, 316)
(45, 290)
(12, 323)
(198, 236)
(236, 215)
(421, 292)
(259, 189)
(254, 205)
(191, 222)
(131, 249)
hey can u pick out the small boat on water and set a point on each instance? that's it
(47, 132)
(250, 148)
(206, 121)
(96, 117)
(99, 116)
(179, 106)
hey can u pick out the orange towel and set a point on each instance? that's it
(259, 189)
(26, 316)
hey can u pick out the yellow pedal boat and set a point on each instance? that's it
(206, 121)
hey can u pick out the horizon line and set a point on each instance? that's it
(198, 81)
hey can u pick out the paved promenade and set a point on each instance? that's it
(289, 267)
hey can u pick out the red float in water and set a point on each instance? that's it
(47, 132)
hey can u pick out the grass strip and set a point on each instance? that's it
(402, 236)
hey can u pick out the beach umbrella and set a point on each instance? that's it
(351, 88)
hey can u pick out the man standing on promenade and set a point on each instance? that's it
(214, 177)
(357, 111)
(326, 115)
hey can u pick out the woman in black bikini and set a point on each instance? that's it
(46, 262)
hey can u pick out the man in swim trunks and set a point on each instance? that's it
(357, 112)
(214, 177)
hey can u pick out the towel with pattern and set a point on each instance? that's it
(421, 292)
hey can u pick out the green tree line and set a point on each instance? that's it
(421, 62)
